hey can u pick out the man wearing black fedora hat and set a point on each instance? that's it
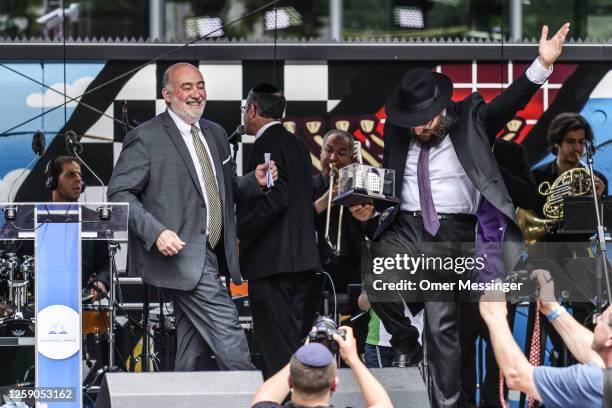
(451, 191)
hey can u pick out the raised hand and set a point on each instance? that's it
(550, 50)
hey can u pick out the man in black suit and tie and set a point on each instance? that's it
(278, 252)
(447, 180)
(178, 176)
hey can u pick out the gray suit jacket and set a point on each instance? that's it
(157, 177)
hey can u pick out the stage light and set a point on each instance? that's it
(283, 17)
(409, 17)
(200, 26)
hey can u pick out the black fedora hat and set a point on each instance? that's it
(419, 97)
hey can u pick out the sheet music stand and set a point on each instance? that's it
(579, 215)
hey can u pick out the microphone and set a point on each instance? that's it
(73, 146)
(590, 147)
(235, 137)
(38, 143)
(38, 147)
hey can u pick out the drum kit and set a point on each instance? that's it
(17, 324)
(17, 319)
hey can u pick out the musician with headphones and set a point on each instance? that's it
(64, 179)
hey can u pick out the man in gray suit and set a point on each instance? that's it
(178, 176)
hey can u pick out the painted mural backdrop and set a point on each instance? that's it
(321, 95)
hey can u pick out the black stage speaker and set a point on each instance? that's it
(404, 385)
(235, 389)
(181, 389)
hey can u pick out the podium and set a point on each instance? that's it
(57, 231)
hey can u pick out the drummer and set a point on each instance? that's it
(64, 179)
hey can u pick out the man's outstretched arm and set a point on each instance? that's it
(372, 391)
(513, 364)
(576, 337)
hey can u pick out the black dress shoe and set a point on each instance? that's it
(412, 359)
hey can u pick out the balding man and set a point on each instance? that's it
(178, 176)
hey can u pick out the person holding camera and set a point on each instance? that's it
(311, 376)
(580, 385)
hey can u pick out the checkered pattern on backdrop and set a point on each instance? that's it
(313, 90)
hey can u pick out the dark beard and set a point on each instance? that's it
(445, 124)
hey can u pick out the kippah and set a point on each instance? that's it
(314, 355)
(265, 88)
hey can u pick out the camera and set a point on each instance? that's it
(529, 290)
(323, 332)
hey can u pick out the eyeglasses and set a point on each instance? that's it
(244, 108)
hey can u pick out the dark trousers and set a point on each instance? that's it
(442, 314)
(377, 356)
(207, 319)
(277, 304)
(473, 327)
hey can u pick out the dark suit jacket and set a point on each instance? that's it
(472, 136)
(516, 172)
(156, 176)
(277, 232)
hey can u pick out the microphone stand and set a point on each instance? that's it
(114, 280)
(236, 138)
(235, 148)
(75, 148)
(601, 266)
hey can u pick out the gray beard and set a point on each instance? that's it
(187, 115)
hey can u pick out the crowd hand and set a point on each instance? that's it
(547, 290)
(493, 305)
(168, 243)
(347, 346)
(550, 50)
(362, 212)
(599, 186)
(261, 170)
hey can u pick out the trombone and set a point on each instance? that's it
(333, 175)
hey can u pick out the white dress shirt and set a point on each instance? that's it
(265, 127)
(452, 190)
(185, 131)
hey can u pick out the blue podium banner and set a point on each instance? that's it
(58, 299)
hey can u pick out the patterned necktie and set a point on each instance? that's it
(428, 209)
(215, 211)
(534, 350)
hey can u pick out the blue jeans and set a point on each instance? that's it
(377, 356)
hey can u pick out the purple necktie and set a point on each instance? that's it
(428, 209)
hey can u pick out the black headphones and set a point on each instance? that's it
(51, 176)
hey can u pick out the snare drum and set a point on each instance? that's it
(95, 319)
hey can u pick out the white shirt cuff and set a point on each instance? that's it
(537, 74)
